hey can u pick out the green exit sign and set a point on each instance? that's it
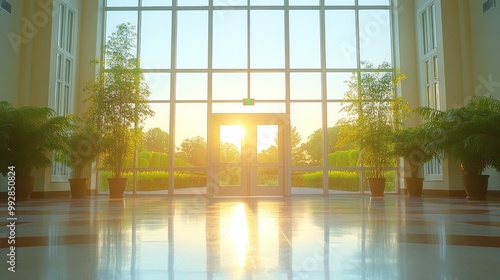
(248, 101)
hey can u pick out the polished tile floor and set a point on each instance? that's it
(339, 237)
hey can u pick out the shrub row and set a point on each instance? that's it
(148, 159)
(341, 180)
(337, 180)
(155, 160)
(157, 180)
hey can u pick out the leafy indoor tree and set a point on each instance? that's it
(117, 102)
(156, 140)
(374, 115)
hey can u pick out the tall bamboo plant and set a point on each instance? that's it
(118, 98)
(374, 114)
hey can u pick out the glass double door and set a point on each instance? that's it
(247, 155)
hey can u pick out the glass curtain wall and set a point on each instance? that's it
(292, 56)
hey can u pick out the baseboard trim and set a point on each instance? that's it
(495, 193)
(451, 193)
(53, 194)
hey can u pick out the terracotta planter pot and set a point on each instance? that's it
(24, 187)
(476, 186)
(414, 186)
(117, 187)
(377, 186)
(79, 187)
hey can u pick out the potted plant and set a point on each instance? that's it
(469, 135)
(374, 115)
(82, 147)
(410, 143)
(117, 103)
(29, 136)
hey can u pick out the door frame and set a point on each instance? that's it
(254, 119)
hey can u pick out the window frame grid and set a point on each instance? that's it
(287, 70)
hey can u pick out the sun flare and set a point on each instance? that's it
(232, 134)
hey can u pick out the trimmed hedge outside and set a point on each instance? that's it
(337, 180)
(342, 180)
(155, 160)
(157, 180)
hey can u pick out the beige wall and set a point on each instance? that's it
(406, 51)
(90, 32)
(485, 41)
(91, 23)
(451, 79)
(10, 53)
